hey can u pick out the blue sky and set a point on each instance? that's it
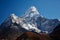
(48, 8)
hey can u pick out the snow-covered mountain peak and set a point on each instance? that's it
(13, 16)
(33, 8)
(31, 12)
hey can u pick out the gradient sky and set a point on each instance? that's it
(48, 8)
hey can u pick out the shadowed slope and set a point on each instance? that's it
(56, 33)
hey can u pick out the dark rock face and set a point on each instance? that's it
(10, 33)
(56, 33)
(33, 36)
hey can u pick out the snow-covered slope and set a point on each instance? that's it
(31, 21)
(32, 16)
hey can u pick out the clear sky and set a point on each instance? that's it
(47, 8)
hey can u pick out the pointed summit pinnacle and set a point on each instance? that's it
(33, 8)
(13, 16)
(32, 12)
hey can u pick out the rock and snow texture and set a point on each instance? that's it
(32, 16)
(31, 21)
(31, 12)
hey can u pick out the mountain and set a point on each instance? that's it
(10, 29)
(33, 17)
(32, 21)
(56, 33)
